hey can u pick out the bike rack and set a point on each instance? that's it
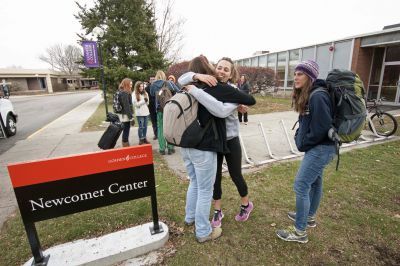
(274, 158)
(294, 153)
(250, 163)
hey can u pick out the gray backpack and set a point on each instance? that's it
(180, 124)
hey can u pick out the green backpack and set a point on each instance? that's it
(347, 94)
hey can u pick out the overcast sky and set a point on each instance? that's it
(215, 28)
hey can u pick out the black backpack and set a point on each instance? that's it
(116, 102)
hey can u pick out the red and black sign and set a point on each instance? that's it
(55, 187)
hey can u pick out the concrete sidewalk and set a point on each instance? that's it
(63, 137)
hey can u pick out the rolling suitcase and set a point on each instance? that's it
(110, 136)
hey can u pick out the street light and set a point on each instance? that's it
(99, 33)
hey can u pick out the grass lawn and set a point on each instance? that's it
(358, 222)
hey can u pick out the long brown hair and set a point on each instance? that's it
(125, 85)
(234, 72)
(137, 91)
(300, 96)
(201, 65)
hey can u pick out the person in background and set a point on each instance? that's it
(315, 119)
(126, 115)
(226, 73)
(152, 108)
(244, 86)
(140, 101)
(155, 88)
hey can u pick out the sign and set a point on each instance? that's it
(90, 54)
(55, 187)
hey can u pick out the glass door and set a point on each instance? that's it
(390, 83)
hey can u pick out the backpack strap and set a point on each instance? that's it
(332, 133)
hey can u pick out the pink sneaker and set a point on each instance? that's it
(217, 218)
(244, 213)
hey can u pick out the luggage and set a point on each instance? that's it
(110, 136)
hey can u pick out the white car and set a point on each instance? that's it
(8, 117)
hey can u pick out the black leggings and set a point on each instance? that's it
(234, 161)
(244, 115)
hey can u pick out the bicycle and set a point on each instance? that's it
(381, 123)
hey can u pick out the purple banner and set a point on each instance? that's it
(90, 55)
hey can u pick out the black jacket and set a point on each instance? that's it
(125, 99)
(224, 93)
(245, 87)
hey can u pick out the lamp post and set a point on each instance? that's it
(99, 33)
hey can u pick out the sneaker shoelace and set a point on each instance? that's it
(243, 211)
(216, 215)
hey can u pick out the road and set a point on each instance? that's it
(34, 112)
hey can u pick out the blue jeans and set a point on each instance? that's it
(125, 131)
(142, 131)
(308, 183)
(201, 167)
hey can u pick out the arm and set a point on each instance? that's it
(186, 78)
(138, 103)
(172, 86)
(189, 77)
(226, 93)
(215, 107)
(126, 105)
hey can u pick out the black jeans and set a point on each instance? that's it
(240, 117)
(153, 118)
(125, 131)
(234, 161)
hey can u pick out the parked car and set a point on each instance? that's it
(8, 117)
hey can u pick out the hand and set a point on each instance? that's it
(133, 123)
(242, 108)
(146, 100)
(207, 79)
(188, 88)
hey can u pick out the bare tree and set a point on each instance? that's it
(63, 58)
(169, 29)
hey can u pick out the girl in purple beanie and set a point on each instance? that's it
(315, 119)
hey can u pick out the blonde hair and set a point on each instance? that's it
(137, 91)
(234, 72)
(160, 75)
(300, 96)
(125, 85)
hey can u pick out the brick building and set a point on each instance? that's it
(374, 56)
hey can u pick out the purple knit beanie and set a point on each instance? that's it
(310, 68)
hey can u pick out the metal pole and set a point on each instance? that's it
(102, 77)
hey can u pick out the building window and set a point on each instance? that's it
(375, 73)
(392, 54)
(262, 61)
(293, 61)
(323, 60)
(272, 61)
(281, 68)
